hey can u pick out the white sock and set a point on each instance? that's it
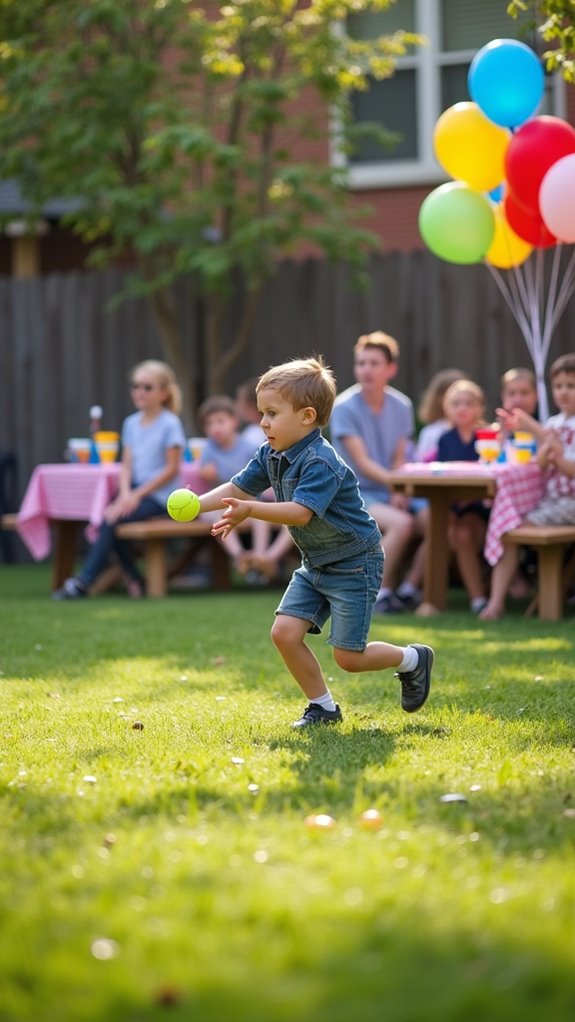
(477, 604)
(326, 701)
(384, 591)
(410, 660)
(407, 589)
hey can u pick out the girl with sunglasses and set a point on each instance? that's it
(153, 440)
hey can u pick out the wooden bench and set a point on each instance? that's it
(551, 541)
(154, 534)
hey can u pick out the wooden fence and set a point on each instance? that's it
(62, 349)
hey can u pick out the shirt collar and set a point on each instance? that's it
(293, 452)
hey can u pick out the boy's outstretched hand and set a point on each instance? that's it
(236, 512)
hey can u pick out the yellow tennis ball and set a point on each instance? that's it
(183, 505)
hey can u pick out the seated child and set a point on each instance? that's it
(225, 452)
(430, 412)
(278, 542)
(518, 391)
(464, 405)
(556, 456)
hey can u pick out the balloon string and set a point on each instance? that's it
(511, 303)
(552, 299)
(566, 290)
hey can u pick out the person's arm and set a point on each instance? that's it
(518, 419)
(551, 452)
(171, 469)
(362, 462)
(208, 472)
(237, 510)
(128, 499)
(400, 454)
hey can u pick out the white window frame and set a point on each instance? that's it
(428, 60)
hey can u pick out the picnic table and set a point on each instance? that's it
(60, 498)
(514, 490)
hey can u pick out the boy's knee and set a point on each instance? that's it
(346, 659)
(285, 631)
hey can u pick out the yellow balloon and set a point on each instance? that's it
(507, 249)
(470, 147)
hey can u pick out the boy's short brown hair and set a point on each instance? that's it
(383, 342)
(518, 373)
(305, 383)
(217, 403)
(563, 364)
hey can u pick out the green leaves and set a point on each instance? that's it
(171, 129)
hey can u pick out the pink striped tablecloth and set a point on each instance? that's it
(519, 490)
(77, 493)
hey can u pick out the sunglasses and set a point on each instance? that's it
(142, 386)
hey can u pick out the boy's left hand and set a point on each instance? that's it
(236, 512)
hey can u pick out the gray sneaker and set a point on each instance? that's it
(415, 684)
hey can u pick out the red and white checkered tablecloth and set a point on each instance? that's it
(77, 493)
(519, 490)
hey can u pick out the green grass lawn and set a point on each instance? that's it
(167, 871)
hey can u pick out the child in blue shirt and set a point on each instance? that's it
(317, 497)
(153, 440)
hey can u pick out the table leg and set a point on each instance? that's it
(64, 550)
(437, 554)
(550, 571)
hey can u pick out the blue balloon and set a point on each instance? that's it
(506, 80)
(496, 194)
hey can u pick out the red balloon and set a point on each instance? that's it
(533, 149)
(527, 224)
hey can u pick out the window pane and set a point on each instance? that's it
(469, 24)
(392, 104)
(401, 16)
(454, 85)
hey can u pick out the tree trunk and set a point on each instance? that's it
(163, 305)
(220, 361)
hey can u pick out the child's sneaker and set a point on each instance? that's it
(389, 604)
(72, 589)
(415, 684)
(315, 714)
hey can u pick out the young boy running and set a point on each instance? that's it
(317, 497)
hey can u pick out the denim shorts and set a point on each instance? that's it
(345, 590)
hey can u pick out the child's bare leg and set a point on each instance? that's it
(501, 577)
(268, 559)
(376, 656)
(414, 665)
(288, 637)
(397, 528)
(261, 536)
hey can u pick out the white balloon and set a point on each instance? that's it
(557, 199)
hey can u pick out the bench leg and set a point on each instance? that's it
(156, 568)
(222, 567)
(550, 583)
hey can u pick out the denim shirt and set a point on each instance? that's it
(312, 474)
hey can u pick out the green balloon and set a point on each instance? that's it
(456, 223)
